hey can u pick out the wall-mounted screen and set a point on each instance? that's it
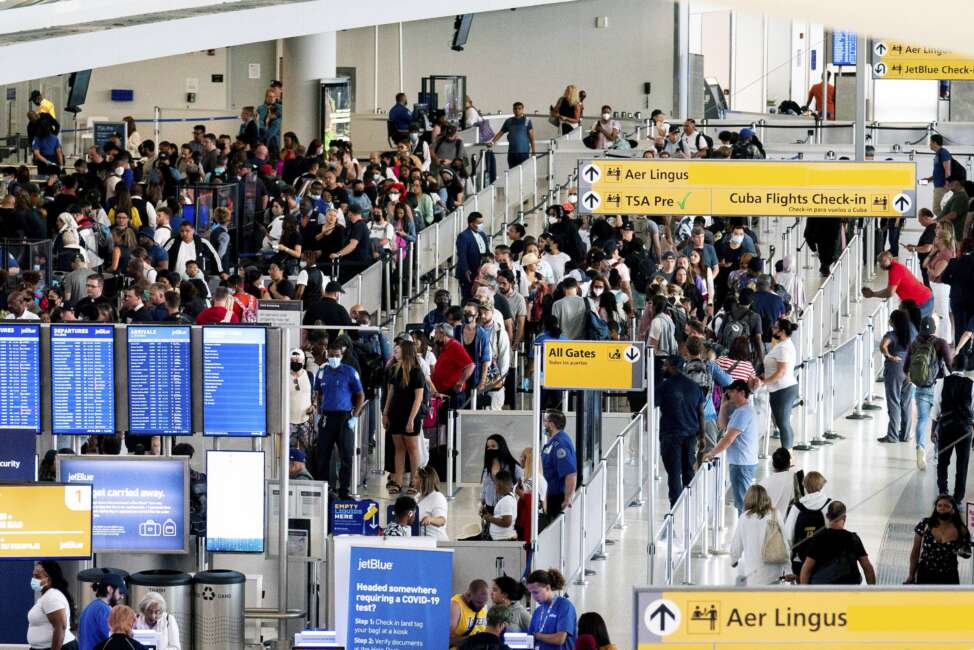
(83, 379)
(45, 520)
(235, 501)
(234, 381)
(159, 380)
(140, 503)
(843, 49)
(20, 377)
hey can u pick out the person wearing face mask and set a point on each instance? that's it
(437, 315)
(419, 148)
(562, 228)
(93, 623)
(301, 407)
(49, 620)
(381, 233)
(472, 244)
(938, 540)
(359, 196)
(339, 398)
(476, 341)
(606, 130)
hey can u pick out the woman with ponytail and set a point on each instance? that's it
(553, 624)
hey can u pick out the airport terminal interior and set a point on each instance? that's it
(485, 324)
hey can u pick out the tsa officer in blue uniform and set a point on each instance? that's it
(558, 464)
(339, 398)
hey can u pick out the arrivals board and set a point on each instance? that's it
(20, 383)
(83, 379)
(159, 380)
(234, 381)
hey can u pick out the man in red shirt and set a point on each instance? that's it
(221, 311)
(815, 94)
(453, 365)
(903, 283)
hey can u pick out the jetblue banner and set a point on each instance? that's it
(139, 505)
(398, 598)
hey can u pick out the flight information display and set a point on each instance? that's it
(159, 386)
(20, 377)
(83, 379)
(843, 49)
(234, 381)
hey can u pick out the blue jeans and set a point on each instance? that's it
(741, 477)
(782, 402)
(923, 396)
(926, 309)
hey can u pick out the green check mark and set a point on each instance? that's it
(683, 203)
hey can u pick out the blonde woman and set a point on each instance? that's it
(747, 546)
(568, 110)
(943, 251)
(153, 616)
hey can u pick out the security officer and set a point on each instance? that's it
(339, 398)
(558, 464)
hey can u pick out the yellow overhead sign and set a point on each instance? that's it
(594, 365)
(45, 520)
(895, 60)
(807, 617)
(747, 188)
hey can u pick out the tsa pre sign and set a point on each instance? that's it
(594, 365)
(838, 617)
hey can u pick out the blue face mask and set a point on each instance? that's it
(35, 584)
(334, 362)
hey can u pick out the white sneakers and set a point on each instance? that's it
(921, 459)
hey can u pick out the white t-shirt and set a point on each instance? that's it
(300, 397)
(471, 117)
(557, 264)
(379, 232)
(39, 630)
(784, 352)
(506, 505)
(162, 235)
(433, 505)
(28, 315)
(781, 488)
(302, 280)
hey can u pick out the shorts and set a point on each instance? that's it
(397, 426)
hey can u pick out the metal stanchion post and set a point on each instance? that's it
(620, 487)
(638, 501)
(450, 432)
(356, 461)
(668, 526)
(857, 413)
(582, 571)
(869, 366)
(600, 553)
(687, 517)
(803, 407)
(818, 439)
(650, 423)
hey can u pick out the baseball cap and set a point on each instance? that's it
(266, 170)
(147, 231)
(669, 255)
(739, 384)
(747, 133)
(627, 226)
(674, 128)
(928, 326)
(528, 259)
(297, 455)
(444, 328)
(334, 287)
(298, 352)
(113, 580)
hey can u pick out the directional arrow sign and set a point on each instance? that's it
(591, 200)
(880, 48)
(902, 203)
(662, 617)
(632, 354)
(880, 69)
(591, 173)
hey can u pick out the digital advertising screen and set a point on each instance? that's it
(159, 380)
(45, 520)
(235, 501)
(234, 381)
(140, 503)
(83, 379)
(20, 377)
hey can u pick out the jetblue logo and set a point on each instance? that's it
(81, 476)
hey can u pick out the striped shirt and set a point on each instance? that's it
(736, 369)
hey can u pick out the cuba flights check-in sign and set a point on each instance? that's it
(896, 60)
(809, 618)
(741, 188)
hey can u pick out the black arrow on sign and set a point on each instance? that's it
(662, 612)
(591, 200)
(881, 49)
(592, 173)
(902, 203)
(881, 69)
(632, 353)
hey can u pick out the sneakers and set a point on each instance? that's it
(921, 459)
(886, 439)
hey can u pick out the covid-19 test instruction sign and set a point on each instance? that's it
(391, 593)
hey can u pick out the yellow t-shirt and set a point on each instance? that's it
(47, 106)
(470, 622)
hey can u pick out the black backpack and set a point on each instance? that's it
(957, 169)
(807, 524)
(955, 402)
(707, 139)
(641, 269)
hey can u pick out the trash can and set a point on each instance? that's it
(87, 580)
(176, 588)
(218, 601)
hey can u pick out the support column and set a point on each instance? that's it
(307, 59)
(863, 72)
(683, 59)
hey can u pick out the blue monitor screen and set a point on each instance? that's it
(83, 379)
(843, 48)
(20, 377)
(160, 400)
(138, 506)
(234, 381)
